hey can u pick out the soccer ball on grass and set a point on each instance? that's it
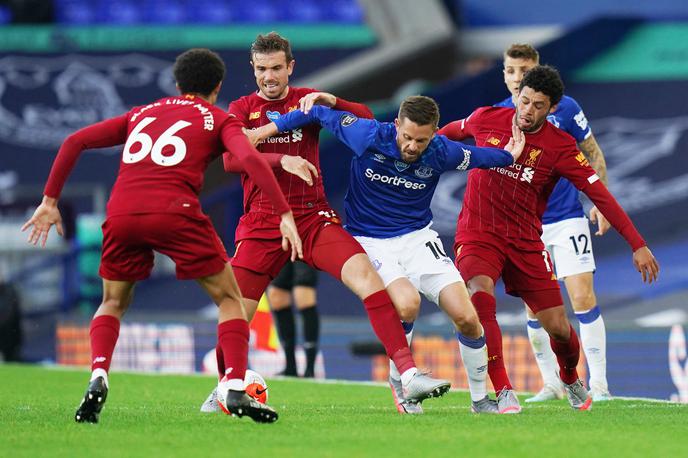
(254, 384)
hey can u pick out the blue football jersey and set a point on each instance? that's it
(388, 197)
(564, 202)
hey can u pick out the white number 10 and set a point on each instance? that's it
(155, 149)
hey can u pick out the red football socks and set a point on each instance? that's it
(104, 333)
(220, 358)
(486, 306)
(232, 337)
(387, 327)
(568, 354)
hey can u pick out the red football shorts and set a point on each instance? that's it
(259, 256)
(525, 267)
(129, 242)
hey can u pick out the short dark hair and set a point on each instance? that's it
(198, 71)
(420, 109)
(522, 51)
(269, 43)
(544, 79)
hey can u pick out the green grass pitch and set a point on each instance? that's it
(158, 415)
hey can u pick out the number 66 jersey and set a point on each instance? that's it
(168, 144)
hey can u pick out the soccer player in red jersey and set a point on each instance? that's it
(154, 205)
(499, 227)
(327, 246)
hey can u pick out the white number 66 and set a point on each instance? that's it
(155, 149)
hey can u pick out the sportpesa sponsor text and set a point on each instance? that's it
(393, 180)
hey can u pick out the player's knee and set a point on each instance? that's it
(278, 299)
(560, 331)
(480, 284)
(360, 276)
(119, 305)
(583, 299)
(408, 308)
(468, 324)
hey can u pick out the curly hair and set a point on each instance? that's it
(271, 42)
(198, 71)
(544, 79)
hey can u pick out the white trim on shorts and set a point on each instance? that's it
(570, 246)
(418, 256)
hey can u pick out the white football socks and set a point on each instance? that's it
(594, 341)
(544, 356)
(475, 362)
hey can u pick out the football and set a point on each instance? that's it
(255, 386)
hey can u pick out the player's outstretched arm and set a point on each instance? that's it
(576, 168)
(464, 157)
(643, 259)
(46, 215)
(354, 132)
(106, 133)
(331, 101)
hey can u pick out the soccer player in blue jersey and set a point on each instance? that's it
(566, 235)
(394, 173)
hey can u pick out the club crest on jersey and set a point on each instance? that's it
(493, 141)
(379, 157)
(272, 115)
(401, 165)
(423, 172)
(347, 119)
(532, 157)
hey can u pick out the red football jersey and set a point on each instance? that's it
(510, 201)
(167, 147)
(254, 111)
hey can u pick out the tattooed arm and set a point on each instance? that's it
(593, 153)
